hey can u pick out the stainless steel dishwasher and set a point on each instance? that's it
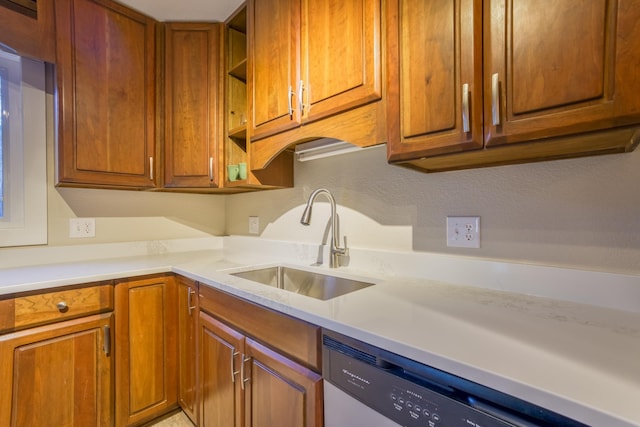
(372, 387)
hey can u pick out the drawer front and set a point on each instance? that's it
(38, 309)
(296, 338)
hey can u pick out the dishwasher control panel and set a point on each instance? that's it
(403, 401)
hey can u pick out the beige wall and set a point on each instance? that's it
(579, 212)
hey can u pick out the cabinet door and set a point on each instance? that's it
(146, 349)
(435, 77)
(342, 55)
(273, 73)
(222, 401)
(106, 94)
(560, 69)
(58, 375)
(193, 119)
(29, 30)
(187, 321)
(281, 392)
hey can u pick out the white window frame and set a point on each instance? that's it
(25, 160)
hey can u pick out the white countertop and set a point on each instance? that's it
(580, 360)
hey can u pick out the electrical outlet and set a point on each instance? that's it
(463, 231)
(254, 225)
(82, 227)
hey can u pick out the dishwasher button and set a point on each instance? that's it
(394, 397)
(409, 404)
(435, 417)
(426, 413)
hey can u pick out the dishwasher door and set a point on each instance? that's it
(342, 410)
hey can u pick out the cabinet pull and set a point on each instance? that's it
(151, 168)
(300, 97)
(495, 99)
(242, 378)
(62, 307)
(190, 305)
(290, 96)
(210, 168)
(234, 353)
(465, 107)
(106, 342)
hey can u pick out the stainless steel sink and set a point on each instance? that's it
(308, 283)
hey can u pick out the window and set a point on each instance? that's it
(23, 178)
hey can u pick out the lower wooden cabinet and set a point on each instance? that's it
(146, 374)
(187, 329)
(58, 375)
(245, 383)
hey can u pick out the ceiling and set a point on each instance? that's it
(185, 10)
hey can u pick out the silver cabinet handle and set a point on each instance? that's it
(151, 168)
(210, 168)
(465, 107)
(290, 95)
(190, 307)
(242, 378)
(234, 353)
(300, 96)
(106, 343)
(495, 99)
(62, 306)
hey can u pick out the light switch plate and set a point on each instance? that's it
(463, 231)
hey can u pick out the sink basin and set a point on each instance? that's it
(308, 283)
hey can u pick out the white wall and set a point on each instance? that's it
(576, 213)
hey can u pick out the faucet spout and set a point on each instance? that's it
(336, 251)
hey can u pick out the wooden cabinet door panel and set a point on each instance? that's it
(106, 79)
(280, 392)
(193, 121)
(435, 52)
(273, 71)
(556, 68)
(146, 351)
(58, 375)
(342, 55)
(221, 347)
(187, 356)
(32, 36)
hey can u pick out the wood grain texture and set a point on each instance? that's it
(281, 393)
(193, 103)
(187, 355)
(222, 400)
(146, 349)
(107, 94)
(294, 338)
(57, 375)
(32, 37)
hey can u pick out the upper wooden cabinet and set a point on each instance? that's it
(192, 105)
(106, 95)
(497, 82)
(309, 60)
(29, 28)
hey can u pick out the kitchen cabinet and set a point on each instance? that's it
(146, 376)
(106, 76)
(193, 105)
(28, 27)
(310, 60)
(57, 358)
(257, 367)
(187, 330)
(480, 84)
(279, 172)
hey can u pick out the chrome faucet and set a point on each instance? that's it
(336, 251)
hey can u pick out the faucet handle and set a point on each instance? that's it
(346, 248)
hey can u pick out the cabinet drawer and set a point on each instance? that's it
(295, 338)
(65, 303)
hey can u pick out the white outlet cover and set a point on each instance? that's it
(463, 231)
(82, 227)
(254, 225)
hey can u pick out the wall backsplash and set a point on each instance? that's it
(582, 213)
